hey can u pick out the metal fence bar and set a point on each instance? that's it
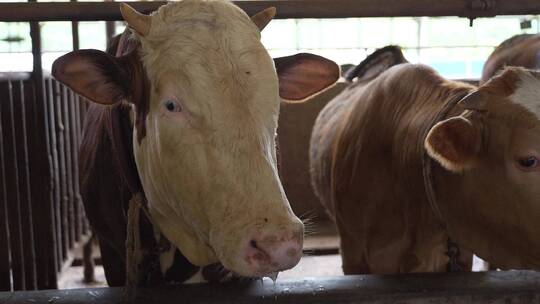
(70, 163)
(41, 164)
(12, 187)
(59, 130)
(108, 11)
(47, 240)
(82, 106)
(79, 210)
(55, 172)
(41, 213)
(495, 287)
(76, 211)
(66, 168)
(5, 267)
(26, 213)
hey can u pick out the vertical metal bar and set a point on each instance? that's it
(5, 257)
(78, 212)
(59, 129)
(70, 231)
(41, 164)
(75, 34)
(74, 115)
(56, 174)
(13, 199)
(75, 131)
(83, 105)
(74, 202)
(47, 240)
(109, 29)
(21, 138)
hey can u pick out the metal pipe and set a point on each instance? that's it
(489, 287)
(108, 11)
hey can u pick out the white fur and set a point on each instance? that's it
(210, 173)
(528, 93)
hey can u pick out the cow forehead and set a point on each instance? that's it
(190, 27)
(213, 42)
(527, 92)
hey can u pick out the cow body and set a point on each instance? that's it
(185, 115)
(366, 161)
(368, 154)
(520, 50)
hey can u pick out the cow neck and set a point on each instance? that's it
(120, 131)
(427, 161)
(429, 185)
(121, 126)
(141, 249)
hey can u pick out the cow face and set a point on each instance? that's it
(492, 152)
(204, 138)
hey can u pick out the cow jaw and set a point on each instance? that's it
(208, 163)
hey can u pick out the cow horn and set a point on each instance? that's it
(262, 18)
(137, 21)
(474, 101)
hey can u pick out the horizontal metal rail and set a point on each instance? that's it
(108, 11)
(492, 287)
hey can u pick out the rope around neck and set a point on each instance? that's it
(133, 244)
(427, 171)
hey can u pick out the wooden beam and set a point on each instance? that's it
(108, 11)
(490, 287)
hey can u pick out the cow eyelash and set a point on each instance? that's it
(172, 106)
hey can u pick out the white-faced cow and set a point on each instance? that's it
(185, 109)
(409, 160)
(520, 50)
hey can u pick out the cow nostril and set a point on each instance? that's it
(253, 244)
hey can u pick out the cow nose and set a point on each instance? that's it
(272, 252)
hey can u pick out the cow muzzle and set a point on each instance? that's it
(270, 250)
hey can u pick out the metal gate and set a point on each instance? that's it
(41, 213)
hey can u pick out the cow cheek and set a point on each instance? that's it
(172, 189)
(185, 168)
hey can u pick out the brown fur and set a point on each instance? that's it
(375, 140)
(366, 157)
(520, 50)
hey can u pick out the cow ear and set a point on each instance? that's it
(93, 74)
(304, 75)
(454, 143)
(376, 63)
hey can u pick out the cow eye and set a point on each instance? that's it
(528, 162)
(172, 106)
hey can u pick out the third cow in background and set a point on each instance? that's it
(520, 50)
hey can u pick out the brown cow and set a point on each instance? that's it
(408, 160)
(186, 113)
(520, 50)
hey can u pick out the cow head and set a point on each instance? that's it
(491, 153)
(205, 128)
